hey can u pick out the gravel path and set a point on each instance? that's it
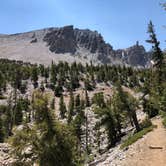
(140, 153)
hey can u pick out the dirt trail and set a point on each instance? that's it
(139, 154)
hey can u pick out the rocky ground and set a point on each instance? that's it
(5, 158)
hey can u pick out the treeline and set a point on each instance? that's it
(62, 75)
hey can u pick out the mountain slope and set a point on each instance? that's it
(68, 44)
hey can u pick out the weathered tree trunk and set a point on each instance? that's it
(135, 120)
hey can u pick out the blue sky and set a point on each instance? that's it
(121, 22)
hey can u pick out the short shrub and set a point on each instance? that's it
(146, 123)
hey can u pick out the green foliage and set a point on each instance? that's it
(164, 122)
(77, 123)
(6, 120)
(88, 85)
(62, 107)
(146, 123)
(158, 56)
(87, 101)
(34, 76)
(2, 134)
(163, 115)
(52, 104)
(58, 91)
(135, 137)
(98, 99)
(52, 144)
(2, 97)
(71, 107)
(108, 120)
(77, 103)
(53, 73)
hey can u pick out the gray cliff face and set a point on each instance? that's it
(61, 40)
(134, 56)
(68, 40)
(94, 42)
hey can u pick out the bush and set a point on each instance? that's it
(163, 115)
(164, 122)
(151, 107)
(146, 123)
(58, 91)
(98, 99)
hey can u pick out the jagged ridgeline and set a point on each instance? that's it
(69, 44)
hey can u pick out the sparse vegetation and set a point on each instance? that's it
(136, 136)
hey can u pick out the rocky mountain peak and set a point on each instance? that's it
(69, 44)
(70, 40)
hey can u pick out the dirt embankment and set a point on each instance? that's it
(148, 151)
(142, 152)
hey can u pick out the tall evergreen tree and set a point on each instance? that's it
(34, 76)
(71, 107)
(87, 101)
(62, 107)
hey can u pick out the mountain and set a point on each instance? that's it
(68, 44)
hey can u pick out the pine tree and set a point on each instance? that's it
(53, 73)
(18, 113)
(132, 105)
(58, 91)
(128, 104)
(62, 107)
(53, 104)
(77, 124)
(87, 101)
(41, 69)
(53, 144)
(108, 120)
(98, 99)
(157, 75)
(2, 134)
(88, 85)
(157, 56)
(71, 107)
(77, 102)
(42, 86)
(34, 76)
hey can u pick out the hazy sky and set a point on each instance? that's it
(121, 22)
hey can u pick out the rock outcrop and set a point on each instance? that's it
(134, 56)
(5, 157)
(69, 40)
